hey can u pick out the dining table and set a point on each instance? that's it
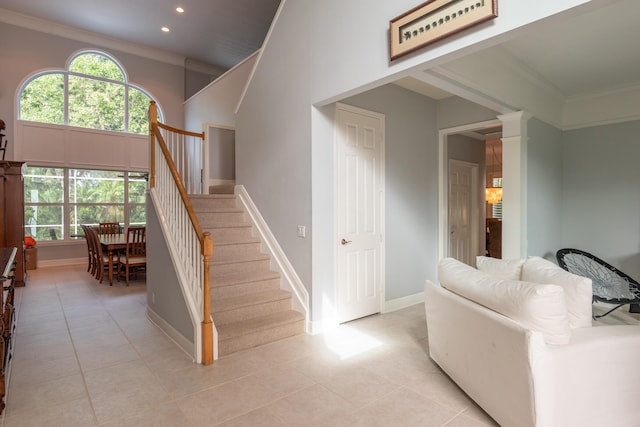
(112, 244)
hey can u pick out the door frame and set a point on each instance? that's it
(514, 205)
(381, 206)
(443, 187)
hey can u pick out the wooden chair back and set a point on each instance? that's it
(96, 250)
(87, 237)
(136, 242)
(108, 228)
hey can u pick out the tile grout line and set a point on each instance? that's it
(75, 352)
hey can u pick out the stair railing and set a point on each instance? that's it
(193, 247)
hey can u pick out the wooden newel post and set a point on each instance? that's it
(153, 119)
(207, 325)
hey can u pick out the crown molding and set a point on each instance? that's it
(56, 29)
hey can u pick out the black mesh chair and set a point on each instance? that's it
(610, 285)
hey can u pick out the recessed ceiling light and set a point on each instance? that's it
(165, 29)
(179, 9)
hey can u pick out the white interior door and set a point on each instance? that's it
(461, 217)
(359, 212)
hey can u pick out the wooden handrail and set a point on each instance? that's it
(178, 180)
(206, 243)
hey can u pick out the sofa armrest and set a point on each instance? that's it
(594, 380)
(487, 354)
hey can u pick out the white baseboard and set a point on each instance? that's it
(327, 324)
(183, 343)
(291, 280)
(404, 302)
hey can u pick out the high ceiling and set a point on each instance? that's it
(216, 32)
(591, 52)
(575, 56)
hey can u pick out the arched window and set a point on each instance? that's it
(93, 92)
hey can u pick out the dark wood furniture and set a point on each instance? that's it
(494, 238)
(112, 245)
(12, 214)
(108, 228)
(7, 326)
(135, 253)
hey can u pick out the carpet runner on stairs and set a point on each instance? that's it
(247, 305)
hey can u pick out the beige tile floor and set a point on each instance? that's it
(86, 355)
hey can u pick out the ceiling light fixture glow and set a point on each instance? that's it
(165, 29)
(179, 9)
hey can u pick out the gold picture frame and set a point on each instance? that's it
(435, 20)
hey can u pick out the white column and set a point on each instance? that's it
(514, 183)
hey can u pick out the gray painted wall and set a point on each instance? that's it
(164, 295)
(544, 189)
(601, 196)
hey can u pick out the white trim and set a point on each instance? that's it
(180, 340)
(403, 302)
(227, 73)
(443, 181)
(291, 281)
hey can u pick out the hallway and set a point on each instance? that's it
(86, 355)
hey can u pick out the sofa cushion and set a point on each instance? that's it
(502, 268)
(539, 307)
(577, 289)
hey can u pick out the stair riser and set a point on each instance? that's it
(255, 339)
(213, 218)
(212, 203)
(224, 317)
(229, 291)
(225, 251)
(221, 270)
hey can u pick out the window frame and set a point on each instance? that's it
(66, 73)
(67, 205)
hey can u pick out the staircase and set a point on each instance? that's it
(247, 305)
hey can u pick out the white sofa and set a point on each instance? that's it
(517, 337)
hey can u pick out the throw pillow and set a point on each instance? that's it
(502, 268)
(539, 307)
(577, 289)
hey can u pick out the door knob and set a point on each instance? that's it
(345, 242)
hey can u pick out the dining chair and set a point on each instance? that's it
(108, 228)
(100, 261)
(134, 257)
(89, 247)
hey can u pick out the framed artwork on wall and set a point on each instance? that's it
(436, 20)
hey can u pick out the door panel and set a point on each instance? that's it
(460, 206)
(359, 140)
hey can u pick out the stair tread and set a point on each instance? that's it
(257, 324)
(246, 300)
(233, 240)
(222, 224)
(244, 277)
(212, 196)
(213, 209)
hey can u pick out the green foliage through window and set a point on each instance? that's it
(88, 197)
(96, 94)
(42, 99)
